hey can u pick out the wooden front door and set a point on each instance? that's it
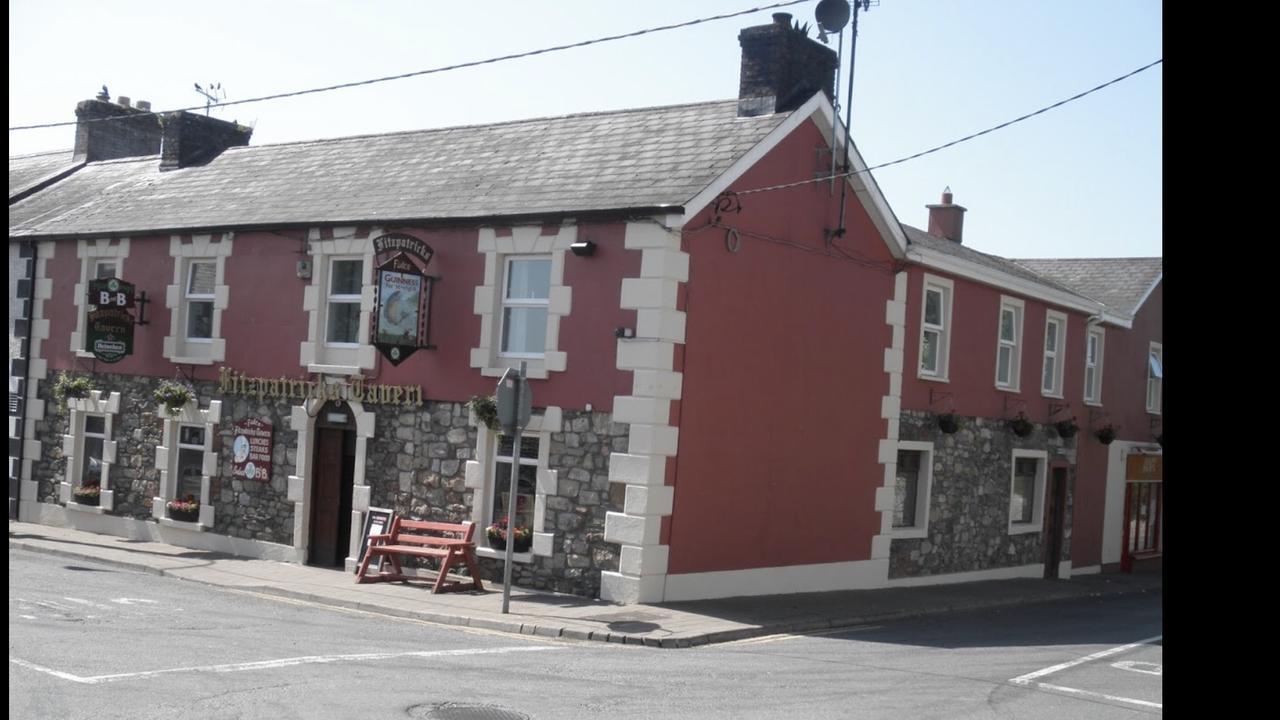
(333, 477)
(1055, 521)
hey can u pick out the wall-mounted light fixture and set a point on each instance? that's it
(583, 248)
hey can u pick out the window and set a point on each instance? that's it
(92, 469)
(1155, 377)
(1093, 367)
(526, 480)
(935, 340)
(346, 281)
(525, 299)
(190, 462)
(104, 269)
(199, 295)
(911, 489)
(1055, 331)
(1026, 496)
(1009, 344)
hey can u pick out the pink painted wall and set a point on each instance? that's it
(264, 323)
(783, 379)
(972, 369)
(1124, 397)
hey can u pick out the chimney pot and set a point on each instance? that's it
(144, 105)
(947, 219)
(123, 100)
(782, 18)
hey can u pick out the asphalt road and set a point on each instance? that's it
(91, 641)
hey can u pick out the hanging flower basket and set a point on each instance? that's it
(67, 385)
(948, 423)
(1021, 426)
(173, 396)
(497, 534)
(184, 510)
(1106, 435)
(1067, 428)
(486, 409)
(87, 494)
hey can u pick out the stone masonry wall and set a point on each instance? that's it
(970, 497)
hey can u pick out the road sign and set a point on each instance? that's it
(508, 415)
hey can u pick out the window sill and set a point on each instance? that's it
(190, 360)
(933, 378)
(1093, 403)
(334, 369)
(1013, 390)
(488, 552)
(192, 526)
(909, 533)
(1024, 528)
(1055, 396)
(91, 509)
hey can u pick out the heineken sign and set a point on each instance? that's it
(403, 313)
(109, 326)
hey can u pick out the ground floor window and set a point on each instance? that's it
(190, 475)
(526, 468)
(911, 489)
(1026, 497)
(92, 469)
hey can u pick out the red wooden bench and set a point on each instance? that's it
(451, 543)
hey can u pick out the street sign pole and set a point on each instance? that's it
(513, 501)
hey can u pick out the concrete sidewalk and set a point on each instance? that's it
(668, 625)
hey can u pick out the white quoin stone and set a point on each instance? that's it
(644, 560)
(654, 411)
(628, 590)
(637, 469)
(631, 529)
(649, 500)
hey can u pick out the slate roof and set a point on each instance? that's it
(916, 236)
(630, 159)
(1118, 283)
(25, 170)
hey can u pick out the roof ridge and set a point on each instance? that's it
(472, 126)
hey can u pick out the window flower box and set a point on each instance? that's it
(497, 534)
(87, 494)
(184, 510)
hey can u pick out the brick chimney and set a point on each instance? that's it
(196, 139)
(781, 68)
(947, 219)
(136, 132)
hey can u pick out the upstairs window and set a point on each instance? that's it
(935, 334)
(1054, 340)
(198, 296)
(1009, 344)
(1155, 377)
(346, 282)
(525, 299)
(1093, 367)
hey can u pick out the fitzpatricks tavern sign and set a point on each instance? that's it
(231, 382)
(402, 322)
(109, 327)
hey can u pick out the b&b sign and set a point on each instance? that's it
(109, 330)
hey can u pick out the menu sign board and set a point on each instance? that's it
(251, 450)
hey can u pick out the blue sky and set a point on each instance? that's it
(1081, 181)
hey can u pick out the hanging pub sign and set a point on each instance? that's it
(251, 450)
(109, 326)
(402, 323)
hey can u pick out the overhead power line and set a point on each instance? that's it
(966, 138)
(430, 71)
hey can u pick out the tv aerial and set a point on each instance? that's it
(212, 95)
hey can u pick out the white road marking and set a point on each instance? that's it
(27, 617)
(132, 601)
(280, 663)
(1026, 679)
(793, 636)
(90, 603)
(1074, 691)
(1142, 667)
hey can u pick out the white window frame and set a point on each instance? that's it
(331, 299)
(1155, 382)
(508, 302)
(1096, 336)
(92, 254)
(481, 479)
(924, 490)
(1018, 308)
(946, 288)
(316, 353)
(189, 299)
(78, 409)
(1038, 501)
(1058, 353)
(168, 454)
(178, 348)
(522, 240)
(491, 494)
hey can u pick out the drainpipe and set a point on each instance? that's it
(15, 478)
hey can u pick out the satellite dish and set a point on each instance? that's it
(832, 15)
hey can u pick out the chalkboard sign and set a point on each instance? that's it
(376, 522)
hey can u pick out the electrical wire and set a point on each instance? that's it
(430, 71)
(966, 138)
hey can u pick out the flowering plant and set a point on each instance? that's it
(1021, 425)
(87, 494)
(188, 506)
(497, 534)
(173, 395)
